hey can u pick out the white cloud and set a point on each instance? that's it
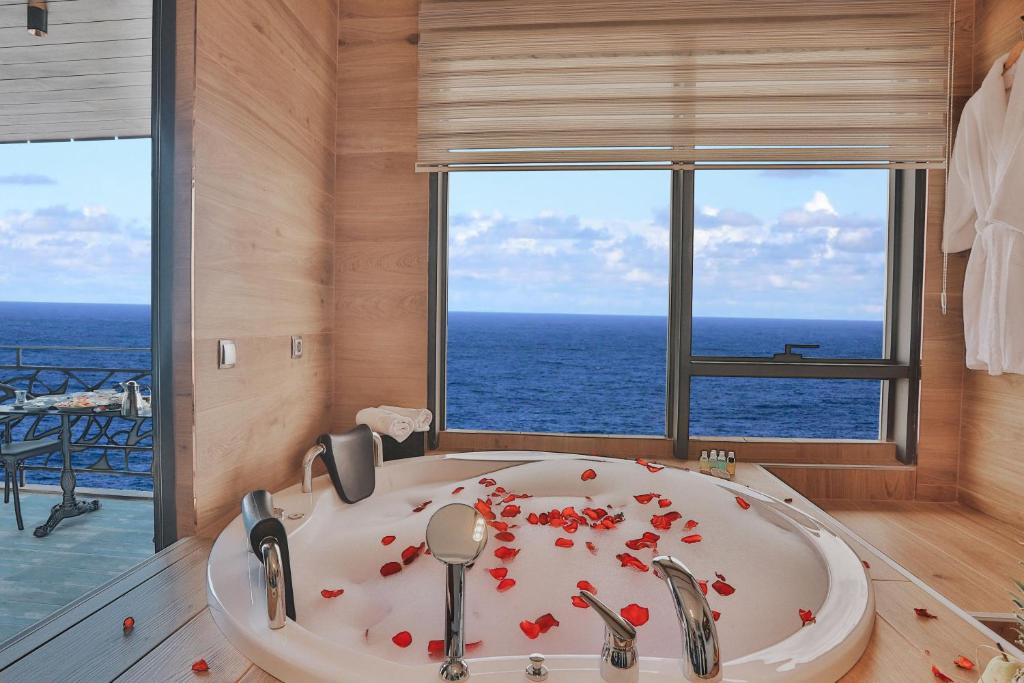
(820, 202)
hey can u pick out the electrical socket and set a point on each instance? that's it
(297, 346)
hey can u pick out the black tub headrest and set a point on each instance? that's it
(349, 461)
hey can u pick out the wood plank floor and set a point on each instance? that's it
(967, 556)
(40, 575)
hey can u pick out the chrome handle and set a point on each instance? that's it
(307, 466)
(701, 656)
(273, 565)
(618, 656)
(378, 450)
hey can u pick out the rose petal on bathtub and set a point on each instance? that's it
(664, 522)
(506, 553)
(692, 538)
(588, 475)
(592, 548)
(722, 588)
(474, 645)
(652, 468)
(410, 554)
(505, 536)
(577, 601)
(332, 593)
(510, 511)
(585, 585)
(941, 676)
(435, 648)
(546, 622)
(715, 614)
(498, 526)
(628, 560)
(571, 526)
(532, 518)
(806, 617)
(390, 568)
(703, 585)
(487, 482)
(498, 573)
(641, 461)
(402, 639)
(484, 508)
(720, 576)
(690, 524)
(635, 614)
(200, 666)
(742, 503)
(924, 613)
(529, 629)
(645, 498)
(664, 503)
(387, 540)
(422, 506)
(456, 491)
(964, 663)
(594, 514)
(563, 542)
(505, 584)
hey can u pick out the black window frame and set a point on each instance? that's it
(898, 368)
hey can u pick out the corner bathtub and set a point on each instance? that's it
(777, 559)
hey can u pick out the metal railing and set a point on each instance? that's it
(108, 451)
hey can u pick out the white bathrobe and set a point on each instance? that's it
(985, 213)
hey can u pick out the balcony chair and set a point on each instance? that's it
(13, 457)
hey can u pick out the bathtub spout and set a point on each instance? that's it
(619, 662)
(307, 466)
(269, 542)
(701, 655)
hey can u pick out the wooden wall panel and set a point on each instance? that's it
(263, 242)
(850, 483)
(380, 271)
(991, 452)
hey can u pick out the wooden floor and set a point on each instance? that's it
(40, 575)
(967, 556)
(167, 597)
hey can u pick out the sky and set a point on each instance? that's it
(75, 222)
(807, 244)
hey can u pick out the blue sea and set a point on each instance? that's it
(584, 374)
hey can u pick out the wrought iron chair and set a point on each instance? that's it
(13, 457)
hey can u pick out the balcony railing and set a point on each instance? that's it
(108, 451)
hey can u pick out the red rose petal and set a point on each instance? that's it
(586, 586)
(703, 586)
(329, 593)
(592, 548)
(390, 568)
(641, 461)
(457, 490)
(546, 622)
(529, 629)
(474, 645)
(505, 536)
(510, 511)
(128, 624)
(692, 538)
(410, 554)
(635, 614)
(498, 573)
(923, 612)
(964, 663)
(506, 553)
(867, 565)
(715, 614)
(577, 601)
(435, 648)
(628, 560)
(664, 522)
(200, 666)
(588, 475)
(645, 498)
(484, 508)
(486, 481)
(664, 503)
(652, 468)
(722, 588)
(742, 503)
(941, 676)
(422, 506)
(402, 639)
(564, 542)
(532, 518)
(387, 540)
(690, 524)
(505, 584)
(807, 617)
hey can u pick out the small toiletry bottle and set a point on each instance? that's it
(705, 463)
(730, 464)
(713, 462)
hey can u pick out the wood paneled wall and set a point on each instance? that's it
(263, 123)
(380, 311)
(991, 450)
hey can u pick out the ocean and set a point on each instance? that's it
(583, 374)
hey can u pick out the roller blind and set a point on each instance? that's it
(645, 82)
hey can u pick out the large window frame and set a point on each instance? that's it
(898, 368)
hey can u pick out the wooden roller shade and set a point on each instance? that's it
(632, 82)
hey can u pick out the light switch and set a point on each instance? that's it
(297, 346)
(226, 356)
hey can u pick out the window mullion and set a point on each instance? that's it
(681, 310)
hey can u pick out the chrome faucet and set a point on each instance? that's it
(701, 656)
(456, 535)
(273, 571)
(619, 660)
(269, 542)
(320, 450)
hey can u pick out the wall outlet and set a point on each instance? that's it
(297, 346)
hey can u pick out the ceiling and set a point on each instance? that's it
(89, 78)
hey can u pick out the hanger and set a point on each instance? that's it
(1016, 52)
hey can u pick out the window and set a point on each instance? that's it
(746, 303)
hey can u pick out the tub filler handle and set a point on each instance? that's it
(618, 656)
(701, 655)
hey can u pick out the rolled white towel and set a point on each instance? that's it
(398, 427)
(421, 417)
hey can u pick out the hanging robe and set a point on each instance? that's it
(985, 213)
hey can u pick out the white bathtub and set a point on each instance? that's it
(777, 559)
